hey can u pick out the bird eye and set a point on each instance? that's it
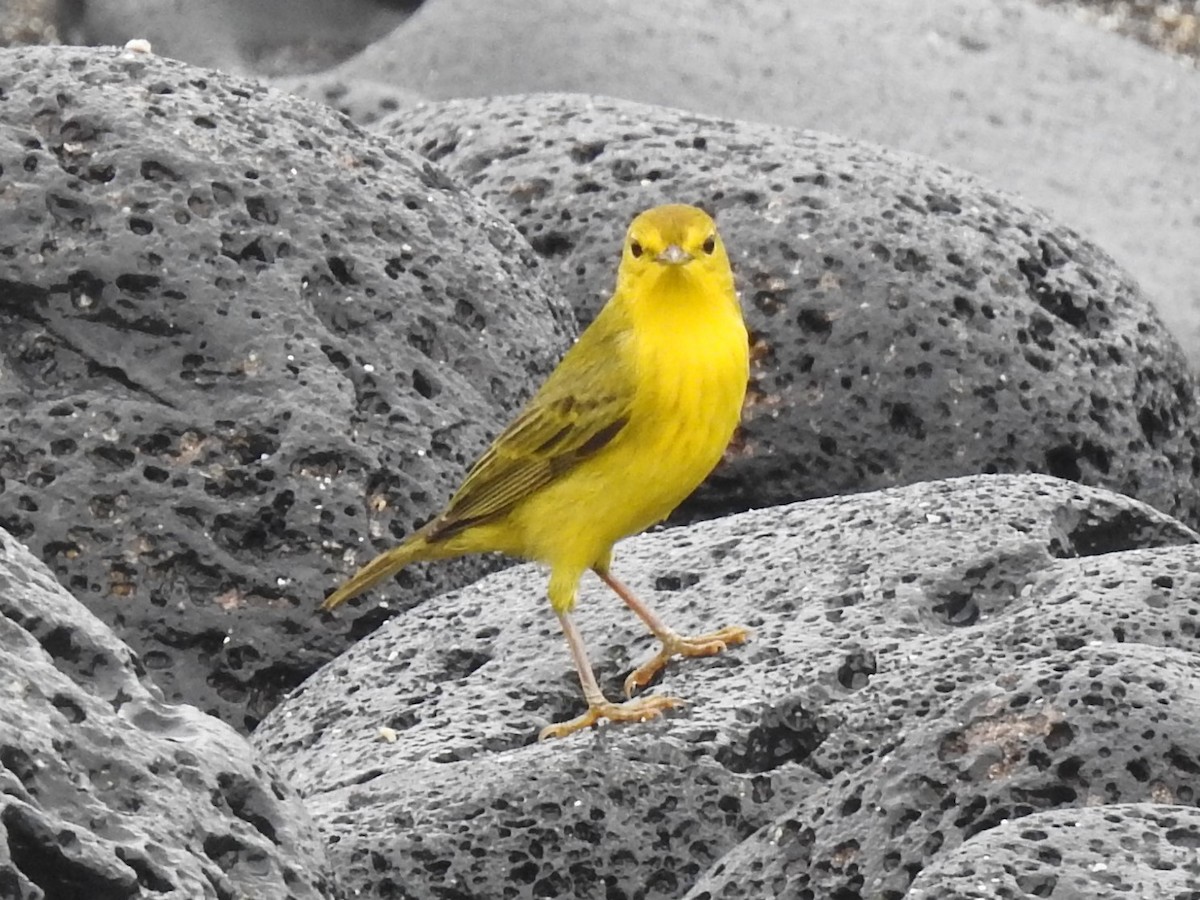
(709, 245)
(635, 248)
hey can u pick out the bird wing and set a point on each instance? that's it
(581, 408)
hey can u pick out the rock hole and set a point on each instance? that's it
(153, 170)
(341, 270)
(136, 283)
(71, 710)
(148, 875)
(676, 581)
(552, 243)
(423, 386)
(815, 322)
(224, 849)
(262, 209)
(459, 662)
(785, 733)
(581, 154)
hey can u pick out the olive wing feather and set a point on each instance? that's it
(581, 408)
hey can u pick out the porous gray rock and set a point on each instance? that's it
(908, 323)
(243, 346)
(1094, 128)
(927, 663)
(1131, 850)
(963, 738)
(108, 792)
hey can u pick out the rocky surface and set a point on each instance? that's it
(1131, 851)
(210, 423)
(1042, 102)
(243, 346)
(928, 664)
(908, 322)
(1099, 131)
(107, 792)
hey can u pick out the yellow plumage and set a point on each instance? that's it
(634, 417)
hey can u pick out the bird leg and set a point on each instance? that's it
(599, 706)
(672, 642)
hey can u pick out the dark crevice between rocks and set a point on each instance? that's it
(372, 619)
(1091, 532)
(247, 801)
(227, 851)
(263, 689)
(20, 764)
(1068, 462)
(149, 876)
(36, 849)
(220, 886)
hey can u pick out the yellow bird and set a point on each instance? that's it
(634, 417)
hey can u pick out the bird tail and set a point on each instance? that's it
(414, 549)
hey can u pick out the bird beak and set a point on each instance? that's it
(673, 255)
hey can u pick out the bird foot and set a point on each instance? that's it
(638, 710)
(696, 645)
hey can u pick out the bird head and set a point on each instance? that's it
(674, 244)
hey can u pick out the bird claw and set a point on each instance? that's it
(638, 710)
(697, 645)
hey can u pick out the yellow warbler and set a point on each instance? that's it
(635, 416)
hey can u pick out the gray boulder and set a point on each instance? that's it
(1099, 131)
(108, 792)
(243, 347)
(1131, 850)
(908, 322)
(928, 662)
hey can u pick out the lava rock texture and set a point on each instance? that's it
(1133, 850)
(930, 665)
(107, 792)
(243, 347)
(908, 323)
(1096, 130)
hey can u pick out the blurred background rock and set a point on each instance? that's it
(263, 37)
(1057, 101)
(1169, 27)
